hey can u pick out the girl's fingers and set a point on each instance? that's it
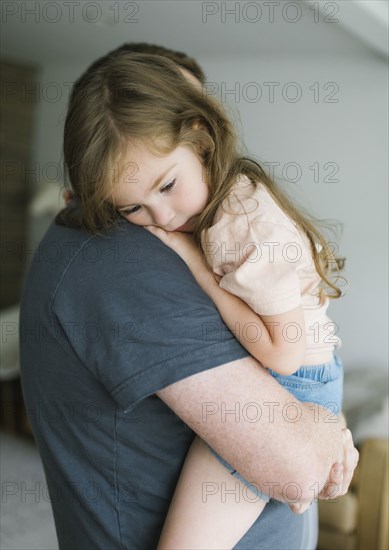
(153, 229)
(158, 232)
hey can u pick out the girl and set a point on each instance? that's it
(171, 164)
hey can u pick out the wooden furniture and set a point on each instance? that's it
(359, 520)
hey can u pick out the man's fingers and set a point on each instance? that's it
(334, 485)
(341, 473)
(350, 459)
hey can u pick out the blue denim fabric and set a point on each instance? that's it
(321, 384)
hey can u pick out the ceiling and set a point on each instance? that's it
(47, 31)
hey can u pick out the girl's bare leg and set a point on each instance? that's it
(210, 509)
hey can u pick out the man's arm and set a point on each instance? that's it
(272, 439)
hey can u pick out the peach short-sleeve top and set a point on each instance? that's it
(264, 259)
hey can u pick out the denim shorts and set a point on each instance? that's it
(320, 384)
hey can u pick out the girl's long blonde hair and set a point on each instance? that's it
(145, 98)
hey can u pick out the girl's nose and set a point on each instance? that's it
(163, 216)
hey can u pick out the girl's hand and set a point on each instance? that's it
(183, 244)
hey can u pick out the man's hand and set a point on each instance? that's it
(340, 475)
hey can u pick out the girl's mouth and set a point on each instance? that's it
(187, 227)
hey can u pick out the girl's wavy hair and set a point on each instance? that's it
(140, 98)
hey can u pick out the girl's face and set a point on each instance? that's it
(168, 191)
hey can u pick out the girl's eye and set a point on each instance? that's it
(130, 211)
(169, 186)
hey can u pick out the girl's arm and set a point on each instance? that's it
(277, 341)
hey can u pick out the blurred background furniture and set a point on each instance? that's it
(360, 519)
(39, 213)
(18, 174)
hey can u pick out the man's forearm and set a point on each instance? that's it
(272, 439)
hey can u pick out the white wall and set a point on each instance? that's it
(53, 89)
(351, 133)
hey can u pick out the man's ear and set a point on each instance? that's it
(198, 125)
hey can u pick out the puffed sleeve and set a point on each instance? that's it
(265, 275)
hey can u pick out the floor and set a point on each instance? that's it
(26, 520)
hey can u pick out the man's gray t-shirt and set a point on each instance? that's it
(106, 321)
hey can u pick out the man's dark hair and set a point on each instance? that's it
(180, 58)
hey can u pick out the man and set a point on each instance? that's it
(120, 361)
